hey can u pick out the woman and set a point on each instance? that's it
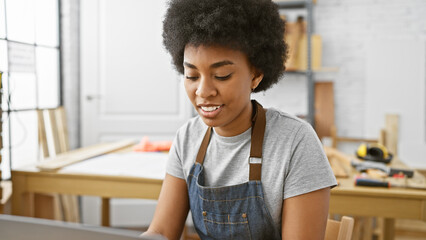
(245, 172)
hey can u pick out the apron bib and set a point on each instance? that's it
(238, 211)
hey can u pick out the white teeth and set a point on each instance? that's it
(210, 109)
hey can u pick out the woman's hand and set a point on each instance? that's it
(305, 216)
(172, 209)
(152, 236)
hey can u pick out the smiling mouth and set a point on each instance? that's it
(210, 109)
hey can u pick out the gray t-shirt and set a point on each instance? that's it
(294, 162)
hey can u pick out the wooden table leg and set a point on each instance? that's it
(105, 212)
(22, 201)
(389, 229)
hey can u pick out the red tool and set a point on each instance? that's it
(147, 146)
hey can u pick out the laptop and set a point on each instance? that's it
(23, 228)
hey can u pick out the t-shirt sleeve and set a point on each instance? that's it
(308, 169)
(174, 165)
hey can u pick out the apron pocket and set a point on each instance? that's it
(227, 226)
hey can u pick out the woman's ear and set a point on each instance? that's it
(257, 78)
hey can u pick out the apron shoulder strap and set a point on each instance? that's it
(203, 148)
(257, 134)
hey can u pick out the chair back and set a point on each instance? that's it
(53, 140)
(339, 230)
(53, 132)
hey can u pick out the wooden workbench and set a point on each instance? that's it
(393, 203)
(346, 199)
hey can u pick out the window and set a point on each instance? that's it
(30, 61)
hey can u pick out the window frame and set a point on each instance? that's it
(7, 113)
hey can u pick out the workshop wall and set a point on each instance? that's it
(345, 26)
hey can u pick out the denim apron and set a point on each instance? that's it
(238, 211)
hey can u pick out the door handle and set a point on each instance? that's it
(92, 97)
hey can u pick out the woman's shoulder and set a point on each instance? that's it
(278, 119)
(193, 127)
(289, 128)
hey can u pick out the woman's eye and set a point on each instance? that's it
(191, 78)
(224, 77)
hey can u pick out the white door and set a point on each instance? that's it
(128, 86)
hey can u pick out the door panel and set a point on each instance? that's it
(129, 87)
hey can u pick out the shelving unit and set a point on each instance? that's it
(308, 5)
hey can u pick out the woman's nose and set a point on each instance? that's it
(206, 88)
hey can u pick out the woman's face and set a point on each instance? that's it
(218, 82)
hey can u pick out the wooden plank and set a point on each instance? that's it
(382, 137)
(61, 123)
(316, 48)
(338, 170)
(334, 153)
(74, 156)
(42, 135)
(324, 108)
(333, 135)
(54, 131)
(293, 35)
(391, 128)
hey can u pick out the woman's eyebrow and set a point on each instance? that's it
(221, 63)
(189, 65)
(214, 65)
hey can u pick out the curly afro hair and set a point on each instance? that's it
(251, 26)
